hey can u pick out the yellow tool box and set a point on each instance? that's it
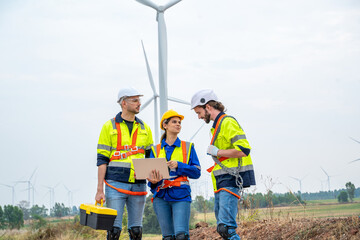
(97, 217)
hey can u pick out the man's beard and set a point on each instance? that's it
(207, 116)
(133, 110)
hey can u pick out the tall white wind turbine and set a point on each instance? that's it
(162, 47)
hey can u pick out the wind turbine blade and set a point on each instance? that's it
(354, 160)
(149, 70)
(66, 188)
(170, 4)
(143, 106)
(295, 178)
(178, 100)
(33, 173)
(324, 171)
(149, 4)
(5, 185)
(305, 176)
(354, 139)
(196, 132)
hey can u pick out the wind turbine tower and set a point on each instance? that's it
(162, 47)
(162, 43)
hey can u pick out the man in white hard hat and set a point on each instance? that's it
(121, 139)
(230, 150)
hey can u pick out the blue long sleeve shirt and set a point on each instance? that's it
(191, 170)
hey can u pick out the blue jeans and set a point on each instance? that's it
(134, 204)
(226, 208)
(173, 217)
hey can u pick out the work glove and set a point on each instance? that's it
(212, 150)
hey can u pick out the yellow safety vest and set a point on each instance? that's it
(230, 135)
(180, 154)
(122, 148)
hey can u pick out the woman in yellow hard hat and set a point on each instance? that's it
(172, 199)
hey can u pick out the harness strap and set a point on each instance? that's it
(132, 150)
(220, 159)
(213, 140)
(227, 190)
(126, 191)
(170, 183)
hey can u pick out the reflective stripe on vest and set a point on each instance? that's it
(131, 149)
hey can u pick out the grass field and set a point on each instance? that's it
(312, 209)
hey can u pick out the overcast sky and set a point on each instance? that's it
(287, 70)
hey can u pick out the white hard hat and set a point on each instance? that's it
(127, 92)
(203, 97)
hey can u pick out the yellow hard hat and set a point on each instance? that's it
(169, 114)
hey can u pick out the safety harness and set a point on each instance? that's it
(177, 182)
(232, 171)
(131, 150)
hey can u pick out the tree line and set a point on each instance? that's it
(322, 195)
(12, 217)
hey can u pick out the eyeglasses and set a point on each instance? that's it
(133, 100)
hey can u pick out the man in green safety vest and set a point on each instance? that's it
(230, 150)
(123, 138)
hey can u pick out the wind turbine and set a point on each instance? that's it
(162, 47)
(29, 184)
(328, 177)
(70, 196)
(52, 196)
(299, 180)
(13, 191)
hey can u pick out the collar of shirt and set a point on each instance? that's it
(119, 119)
(217, 118)
(177, 143)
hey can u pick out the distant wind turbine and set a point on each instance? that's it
(328, 177)
(70, 196)
(299, 180)
(29, 184)
(52, 196)
(13, 191)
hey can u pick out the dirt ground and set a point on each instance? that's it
(331, 228)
